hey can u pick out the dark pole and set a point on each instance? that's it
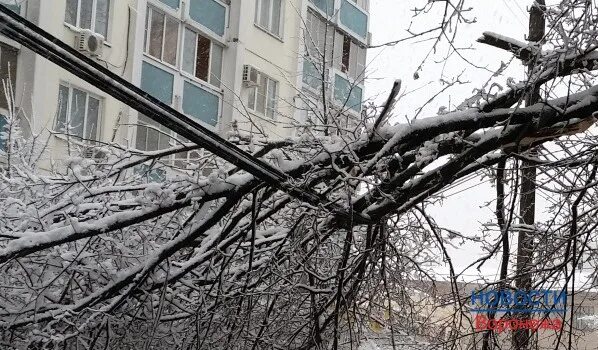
(527, 202)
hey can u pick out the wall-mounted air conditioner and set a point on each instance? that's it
(250, 76)
(89, 42)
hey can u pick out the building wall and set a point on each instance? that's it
(274, 56)
(243, 42)
(39, 79)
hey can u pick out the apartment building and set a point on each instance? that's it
(259, 69)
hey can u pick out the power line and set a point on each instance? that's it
(63, 55)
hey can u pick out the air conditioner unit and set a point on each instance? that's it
(92, 153)
(250, 76)
(89, 42)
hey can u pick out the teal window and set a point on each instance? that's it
(12, 5)
(354, 19)
(151, 174)
(210, 14)
(312, 76)
(327, 6)
(347, 94)
(172, 3)
(157, 82)
(200, 104)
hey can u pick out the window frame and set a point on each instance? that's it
(339, 22)
(344, 104)
(17, 50)
(178, 67)
(15, 3)
(206, 83)
(88, 94)
(147, 36)
(94, 7)
(256, 20)
(254, 90)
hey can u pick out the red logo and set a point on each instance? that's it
(483, 323)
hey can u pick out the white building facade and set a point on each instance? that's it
(251, 68)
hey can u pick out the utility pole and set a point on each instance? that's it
(527, 202)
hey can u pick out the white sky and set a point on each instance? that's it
(462, 211)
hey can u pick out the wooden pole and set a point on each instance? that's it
(527, 202)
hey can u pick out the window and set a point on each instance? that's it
(13, 5)
(347, 94)
(262, 99)
(172, 3)
(200, 104)
(187, 82)
(151, 136)
(209, 13)
(157, 82)
(88, 14)
(319, 38)
(354, 19)
(78, 112)
(268, 15)
(3, 133)
(312, 75)
(162, 36)
(8, 72)
(327, 6)
(201, 57)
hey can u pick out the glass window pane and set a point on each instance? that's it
(70, 16)
(216, 65)
(172, 3)
(264, 13)
(3, 135)
(200, 104)
(8, 69)
(202, 63)
(354, 19)
(325, 5)
(251, 99)
(13, 5)
(102, 8)
(272, 95)
(141, 137)
(276, 8)
(171, 38)
(156, 33)
(209, 13)
(260, 105)
(189, 51)
(157, 82)
(62, 109)
(86, 10)
(346, 53)
(153, 138)
(311, 76)
(346, 94)
(93, 117)
(77, 116)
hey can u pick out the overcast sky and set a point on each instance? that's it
(463, 210)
